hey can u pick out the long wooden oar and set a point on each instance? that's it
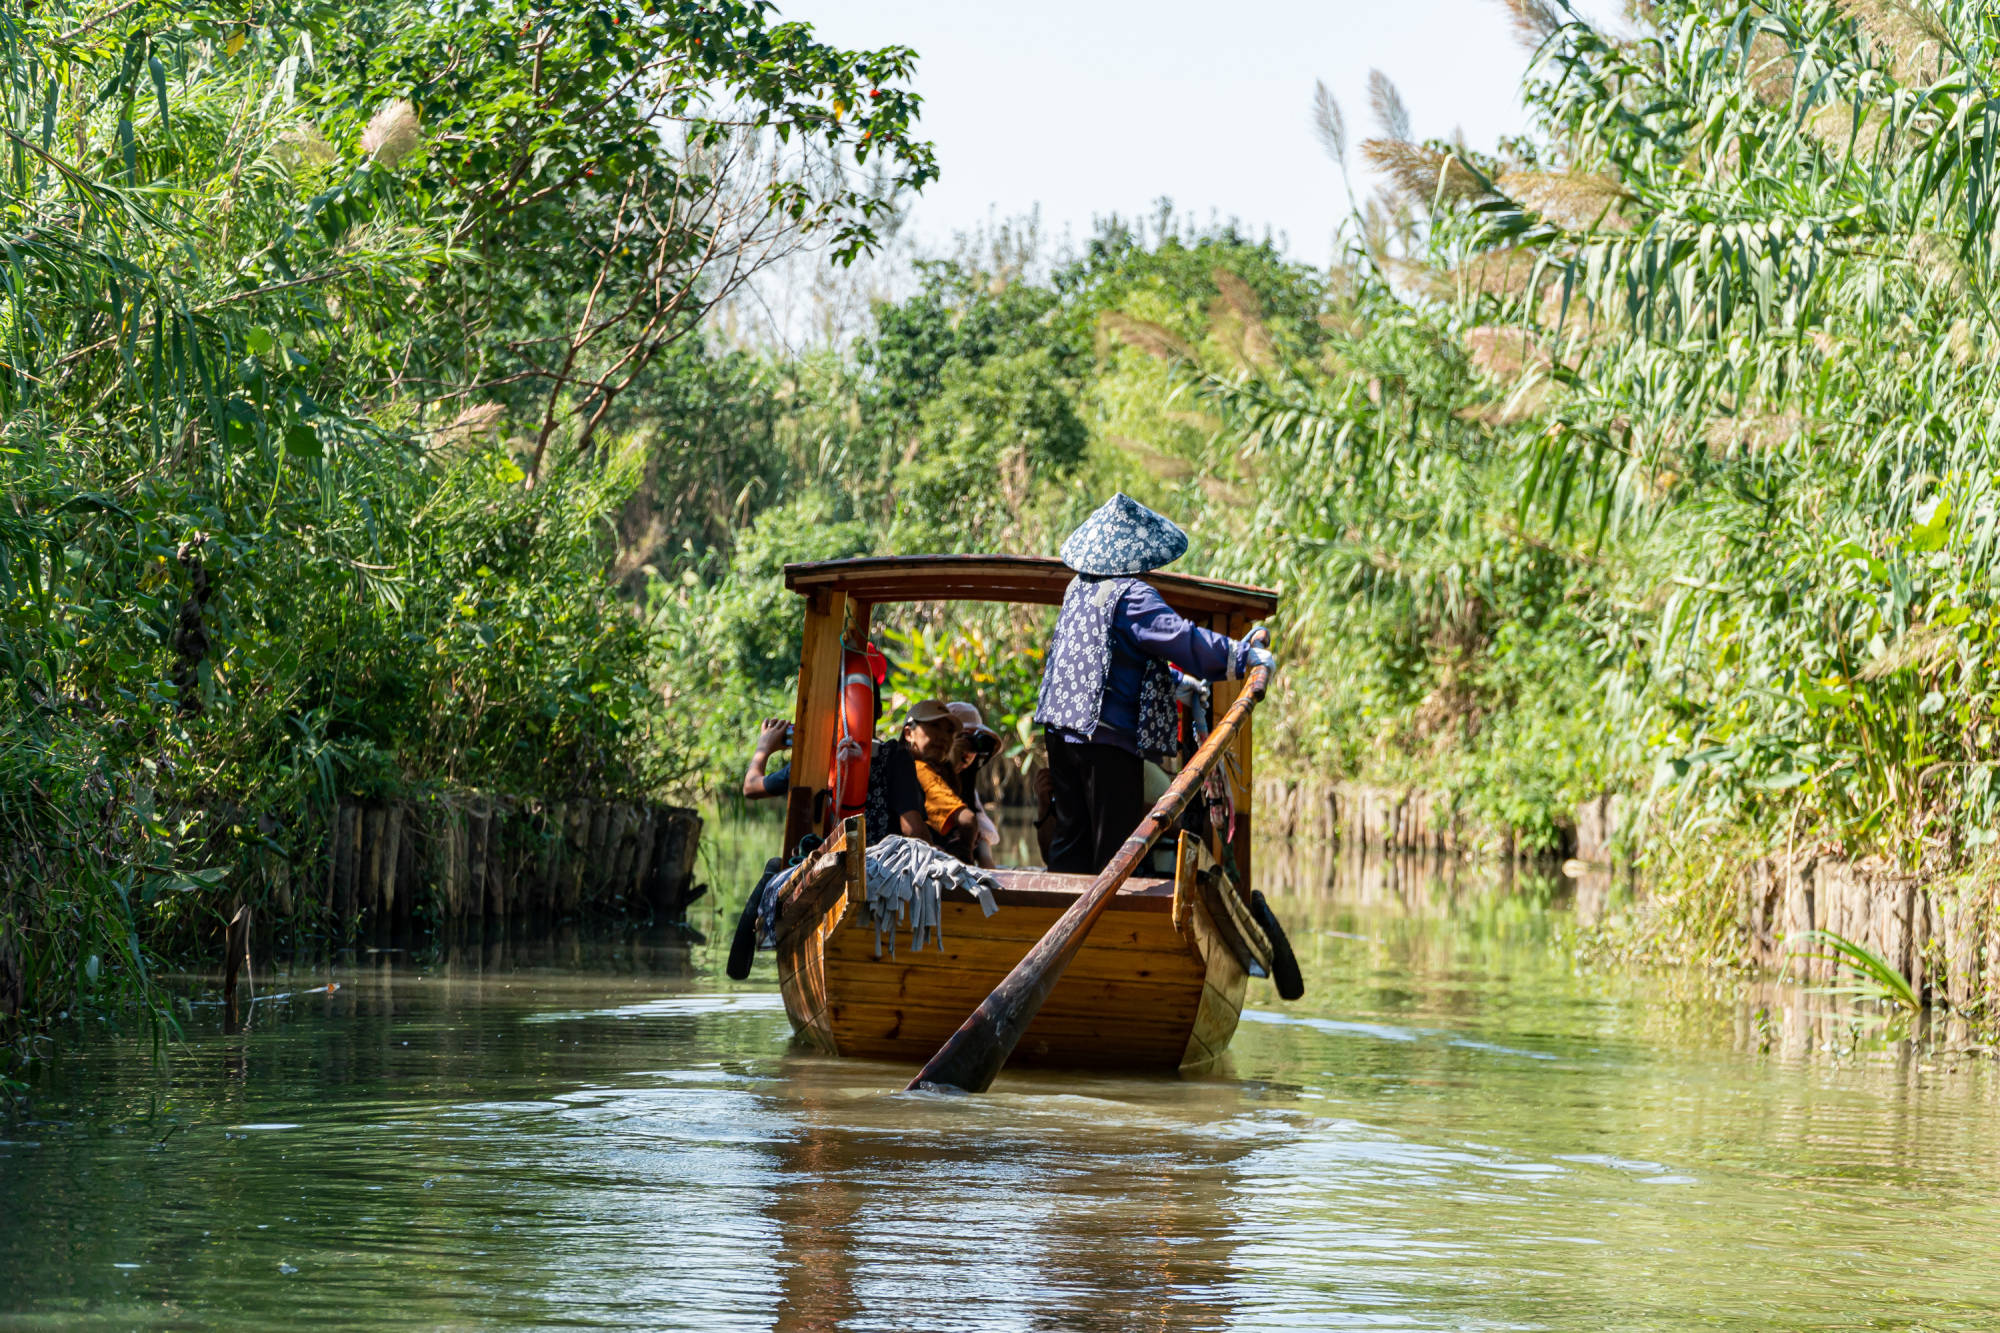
(975, 1052)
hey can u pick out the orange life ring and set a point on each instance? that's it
(853, 741)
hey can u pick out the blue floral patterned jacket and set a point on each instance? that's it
(1106, 678)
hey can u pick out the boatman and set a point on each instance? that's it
(1107, 700)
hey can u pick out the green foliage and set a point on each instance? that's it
(653, 153)
(1695, 387)
(1784, 374)
(958, 319)
(995, 436)
(1874, 977)
(988, 411)
(728, 644)
(252, 263)
(705, 437)
(353, 366)
(758, 619)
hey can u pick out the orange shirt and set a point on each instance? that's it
(941, 799)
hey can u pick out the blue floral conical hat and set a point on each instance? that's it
(1123, 537)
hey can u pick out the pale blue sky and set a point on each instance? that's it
(1090, 106)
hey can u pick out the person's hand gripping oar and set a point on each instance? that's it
(974, 1053)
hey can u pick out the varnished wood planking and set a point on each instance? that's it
(869, 1017)
(1042, 888)
(860, 619)
(1115, 958)
(805, 1000)
(1230, 917)
(1007, 578)
(1152, 949)
(910, 1032)
(1216, 1016)
(1197, 1058)
(802, 978)
(904, 1010)
(883, 983)
(1135, 996)
(914, 1035)
(1222, 991)
(1025, 925)
(813, 723)
(1130, 1000)
(848, 960)
(1119, 936)
(1089, 1052)
(829, 952)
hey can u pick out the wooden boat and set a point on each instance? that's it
(1160, 981)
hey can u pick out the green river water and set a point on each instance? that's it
(1459, 1127)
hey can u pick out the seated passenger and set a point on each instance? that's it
(895, 797)
(976, 744)
(895, 802)
(757, 784)
(932, 735)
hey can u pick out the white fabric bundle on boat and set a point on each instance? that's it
(905, 881)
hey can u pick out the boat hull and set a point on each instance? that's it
(1156, 985)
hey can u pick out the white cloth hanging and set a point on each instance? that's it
(906, 880)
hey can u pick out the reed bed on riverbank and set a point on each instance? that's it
(1687, 400)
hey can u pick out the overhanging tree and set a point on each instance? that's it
(612, 169)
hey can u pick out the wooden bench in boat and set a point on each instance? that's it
(1159, 983)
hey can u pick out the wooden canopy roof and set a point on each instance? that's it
(1034, 579)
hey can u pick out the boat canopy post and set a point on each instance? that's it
(809, 798)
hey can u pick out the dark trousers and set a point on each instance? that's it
(1098, 797)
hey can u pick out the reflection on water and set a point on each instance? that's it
(1458, 1128)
